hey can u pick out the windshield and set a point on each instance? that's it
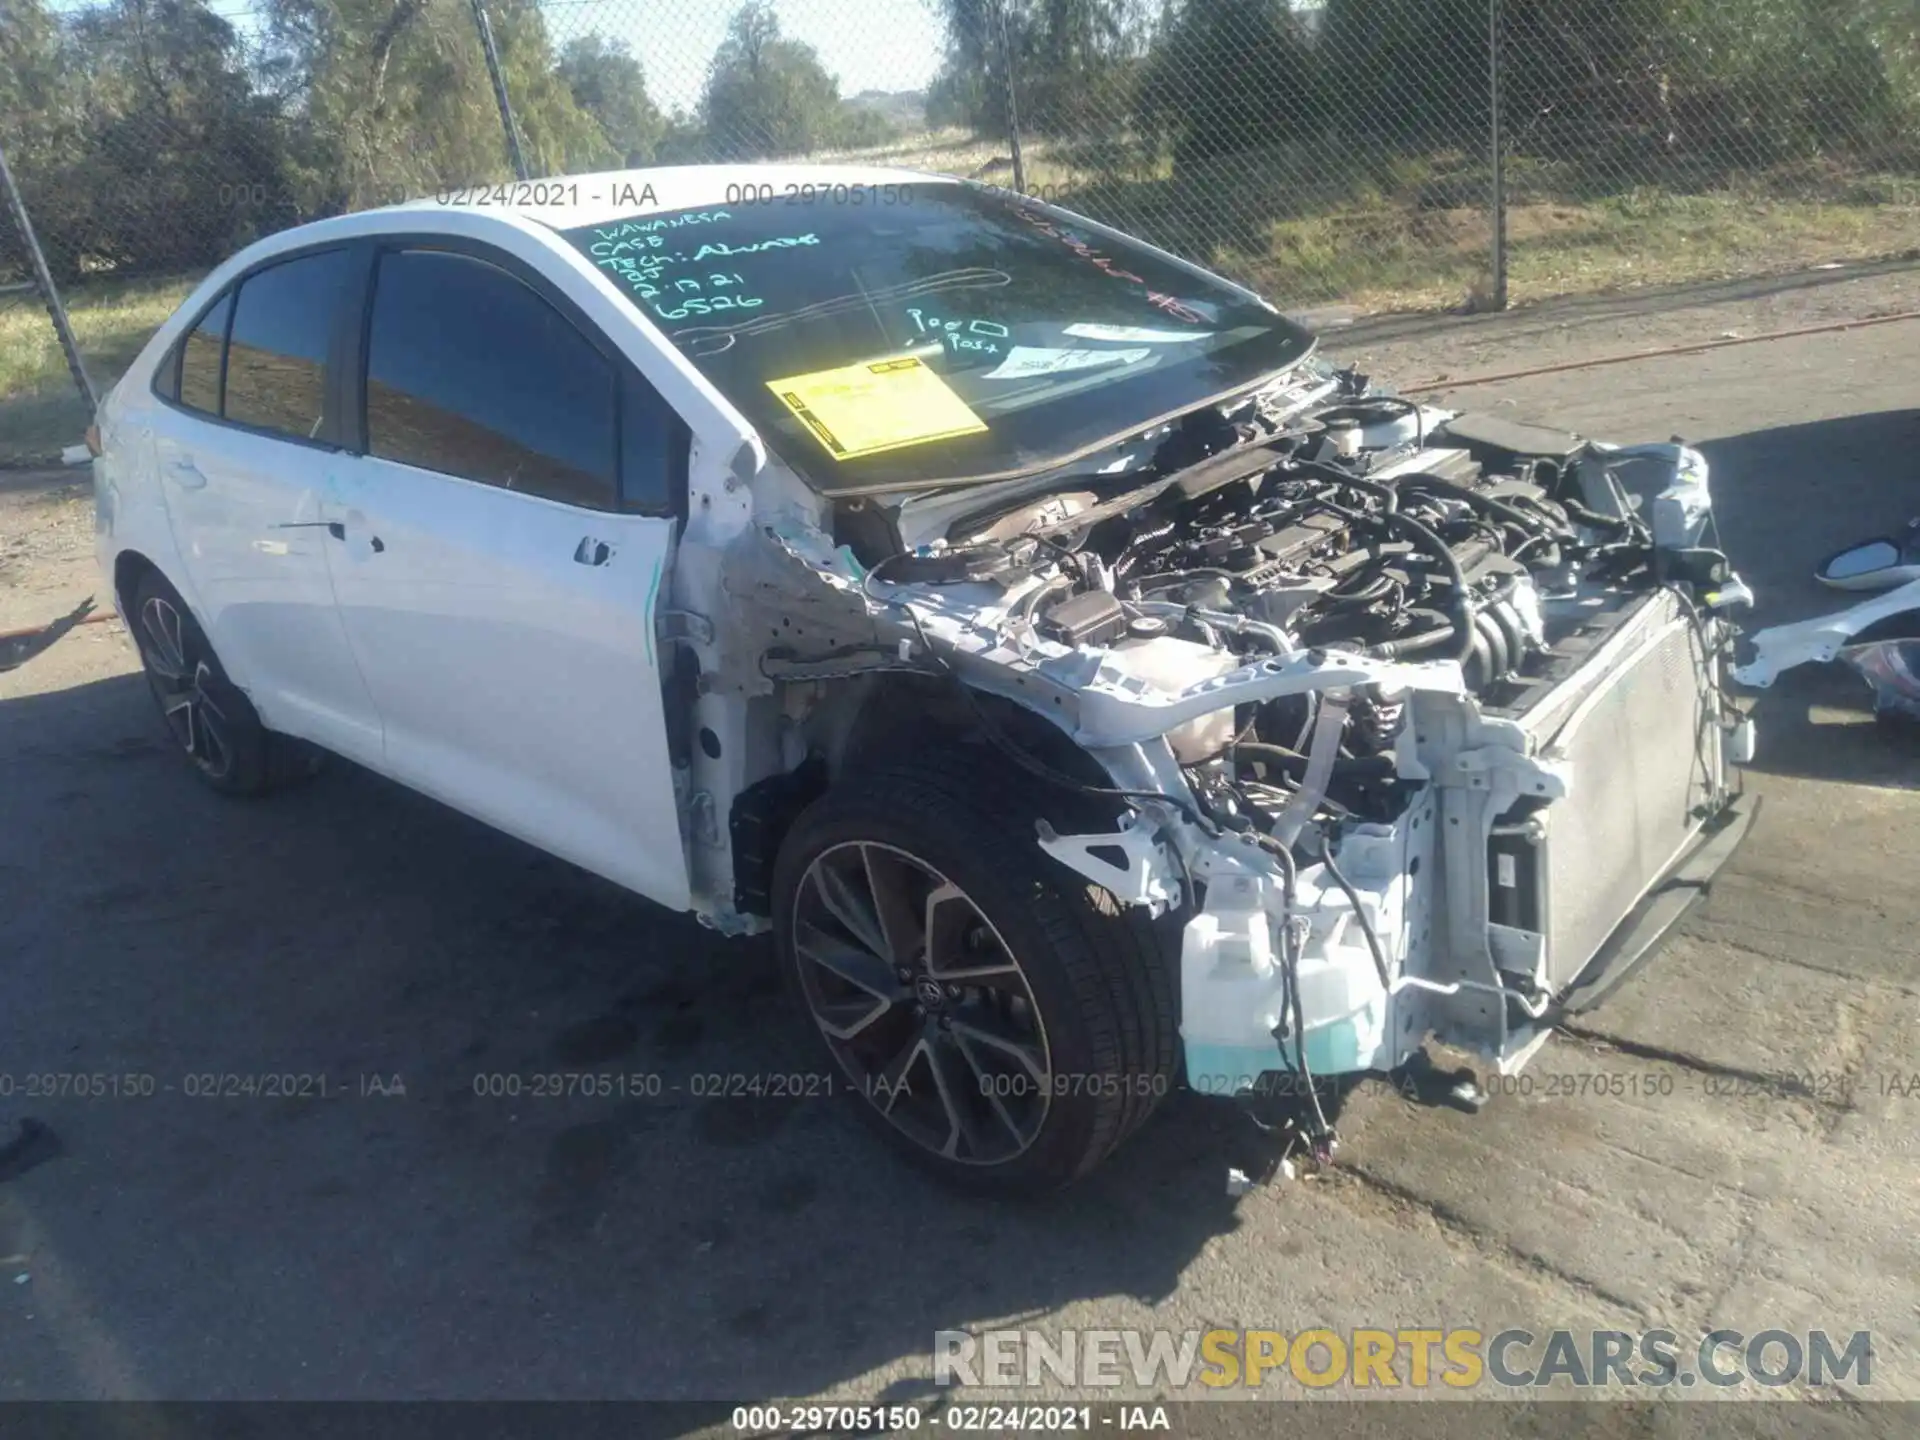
(884, 335)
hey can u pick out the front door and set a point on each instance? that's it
(498, 574)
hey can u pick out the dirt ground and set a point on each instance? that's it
(441, 1244)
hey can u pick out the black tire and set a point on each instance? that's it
(208, 716)
(1094, 969)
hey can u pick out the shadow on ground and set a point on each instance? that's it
(473, 1234)
(17, 648)
(1852, 478)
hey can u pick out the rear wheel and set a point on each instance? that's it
(209, 717)
(1003, 1020)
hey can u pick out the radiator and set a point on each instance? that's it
(1639, 726)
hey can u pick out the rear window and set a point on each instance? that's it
(934, 332)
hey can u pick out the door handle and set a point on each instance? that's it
(592, 552)
(186, 474)
(337, 530)
(332, 527)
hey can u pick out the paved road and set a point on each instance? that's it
(444, 1244)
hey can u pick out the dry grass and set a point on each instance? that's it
(1414, 233)
(40, 409)
(1386, 258)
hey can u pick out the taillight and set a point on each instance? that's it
(93, 439)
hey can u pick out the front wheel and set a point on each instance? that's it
(1004, 1021)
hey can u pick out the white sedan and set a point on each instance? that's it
(1092, 687)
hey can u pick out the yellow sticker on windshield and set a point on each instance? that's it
(877, 405)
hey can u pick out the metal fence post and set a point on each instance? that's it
(1013, 99)
(43, 281)
(499, 80)
(1499, 156)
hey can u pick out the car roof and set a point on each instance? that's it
(565, 201)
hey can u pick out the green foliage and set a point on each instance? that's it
(148, 139)
(151, 148)
(607, 83)
(1074, 64)
(150, 136)
(858, 128)
(393, 94)
(38, 115)
(561, 136)
(683, 143)
(397, 101)
(1706, 82)
(1228, 76)
(767, 95)
(1733, 82)
(957, 98)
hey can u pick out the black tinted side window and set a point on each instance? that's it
(277, 356)
(200, 358)
(471, 373)
(653, 451)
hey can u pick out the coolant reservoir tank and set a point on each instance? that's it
(1170, 664)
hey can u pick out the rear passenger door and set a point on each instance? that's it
(509, 524)
(244, 443)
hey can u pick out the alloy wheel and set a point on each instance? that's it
(922, 1003)
(182, 678)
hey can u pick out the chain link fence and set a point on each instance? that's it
(1385, 154)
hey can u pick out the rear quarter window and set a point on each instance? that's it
(199, 360)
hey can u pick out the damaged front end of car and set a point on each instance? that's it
(1878, 639)
(1417, 720)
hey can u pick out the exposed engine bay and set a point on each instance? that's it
(1414, 714)
(1357, 523)
(1320, 550)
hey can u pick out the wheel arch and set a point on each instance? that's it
(877, 721)
(130, 567)
(893, 714)
(131, 564)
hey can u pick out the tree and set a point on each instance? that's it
(608, 84)
(38, 123)
(1225, 76)
(1615, 84)
(859, 128)
(767, 95)
(561, 137)
(1409, 75)
(683, 142)
(179, 160)
(395, 100)
(1073, 64)
(394, 97)
(30, 74)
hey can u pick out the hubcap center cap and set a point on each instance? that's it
(929, 992)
